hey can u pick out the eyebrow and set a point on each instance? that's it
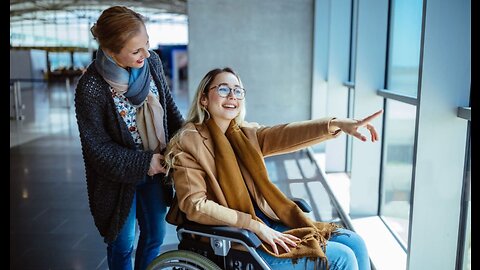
(227, 84)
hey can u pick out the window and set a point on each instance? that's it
(399, 137)
(400, 114)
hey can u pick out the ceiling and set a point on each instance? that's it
(36, 9)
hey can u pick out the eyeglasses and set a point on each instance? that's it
(224, 91)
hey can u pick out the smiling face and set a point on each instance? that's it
(134, 52)
(222, 109)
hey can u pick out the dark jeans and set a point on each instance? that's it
(149, 209)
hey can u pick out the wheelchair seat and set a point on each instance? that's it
(205, 247)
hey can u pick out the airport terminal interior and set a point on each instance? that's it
(408, 195)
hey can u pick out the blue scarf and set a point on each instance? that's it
(135, 85)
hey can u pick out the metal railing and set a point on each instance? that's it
(19, 106)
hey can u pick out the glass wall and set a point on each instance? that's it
(66, 35)
(412, 57)
(404, 46)
(72, 28)
(399, 133)
(399, 137)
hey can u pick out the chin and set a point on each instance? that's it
(137, 65)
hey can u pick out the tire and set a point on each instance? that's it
(182, 259)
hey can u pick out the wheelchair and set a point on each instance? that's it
(217, 253)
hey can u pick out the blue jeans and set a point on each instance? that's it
(346, 250)
(149, 209)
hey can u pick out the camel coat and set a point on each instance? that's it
(199, 196)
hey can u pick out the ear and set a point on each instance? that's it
(110, 54)
(204, 100)
(107, 52)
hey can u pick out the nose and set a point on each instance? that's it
(231, 95)
(146, 54)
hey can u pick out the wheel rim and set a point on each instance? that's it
(183, 259)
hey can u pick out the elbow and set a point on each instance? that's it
(193, 209)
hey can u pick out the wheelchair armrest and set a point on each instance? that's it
(244, 235)
(302, 204)
(248, 237)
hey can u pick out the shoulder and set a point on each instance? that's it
(190, 134)
(250, 125)
(91, 80)
(154, 57)
(189, 137)
(250, 128)
(156, 65)
(91, 76)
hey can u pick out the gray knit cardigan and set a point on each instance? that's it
(112, 165)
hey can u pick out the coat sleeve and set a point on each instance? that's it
(285, 138)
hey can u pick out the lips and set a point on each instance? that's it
(229, 106)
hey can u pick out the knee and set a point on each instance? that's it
(344, 259)
(153, 236)
(121, 246)
(352, 239)
(156, 239)
(359, 246)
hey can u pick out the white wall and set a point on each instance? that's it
(27, 64)
(269, 43)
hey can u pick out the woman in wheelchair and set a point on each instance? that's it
(220, 178)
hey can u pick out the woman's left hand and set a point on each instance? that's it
(350, 126)
(157, 165)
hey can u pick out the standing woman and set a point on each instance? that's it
(126, 115)
(220, 178)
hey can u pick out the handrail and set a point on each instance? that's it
(349, 84)
(26, 80)
(398, 97)
(15, 85)
(17, 99)
(465, 113)
(343, 216)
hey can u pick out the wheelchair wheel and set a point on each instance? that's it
(182, 259)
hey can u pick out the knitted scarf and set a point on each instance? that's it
(232, 148)
(135, 85)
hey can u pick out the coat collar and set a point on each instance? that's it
(207, 137)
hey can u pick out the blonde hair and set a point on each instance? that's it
(115, 26)
(198, 113)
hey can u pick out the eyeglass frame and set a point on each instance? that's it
(231, 90)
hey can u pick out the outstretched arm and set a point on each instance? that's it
(350, 126)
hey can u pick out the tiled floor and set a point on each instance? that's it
(50, 223)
